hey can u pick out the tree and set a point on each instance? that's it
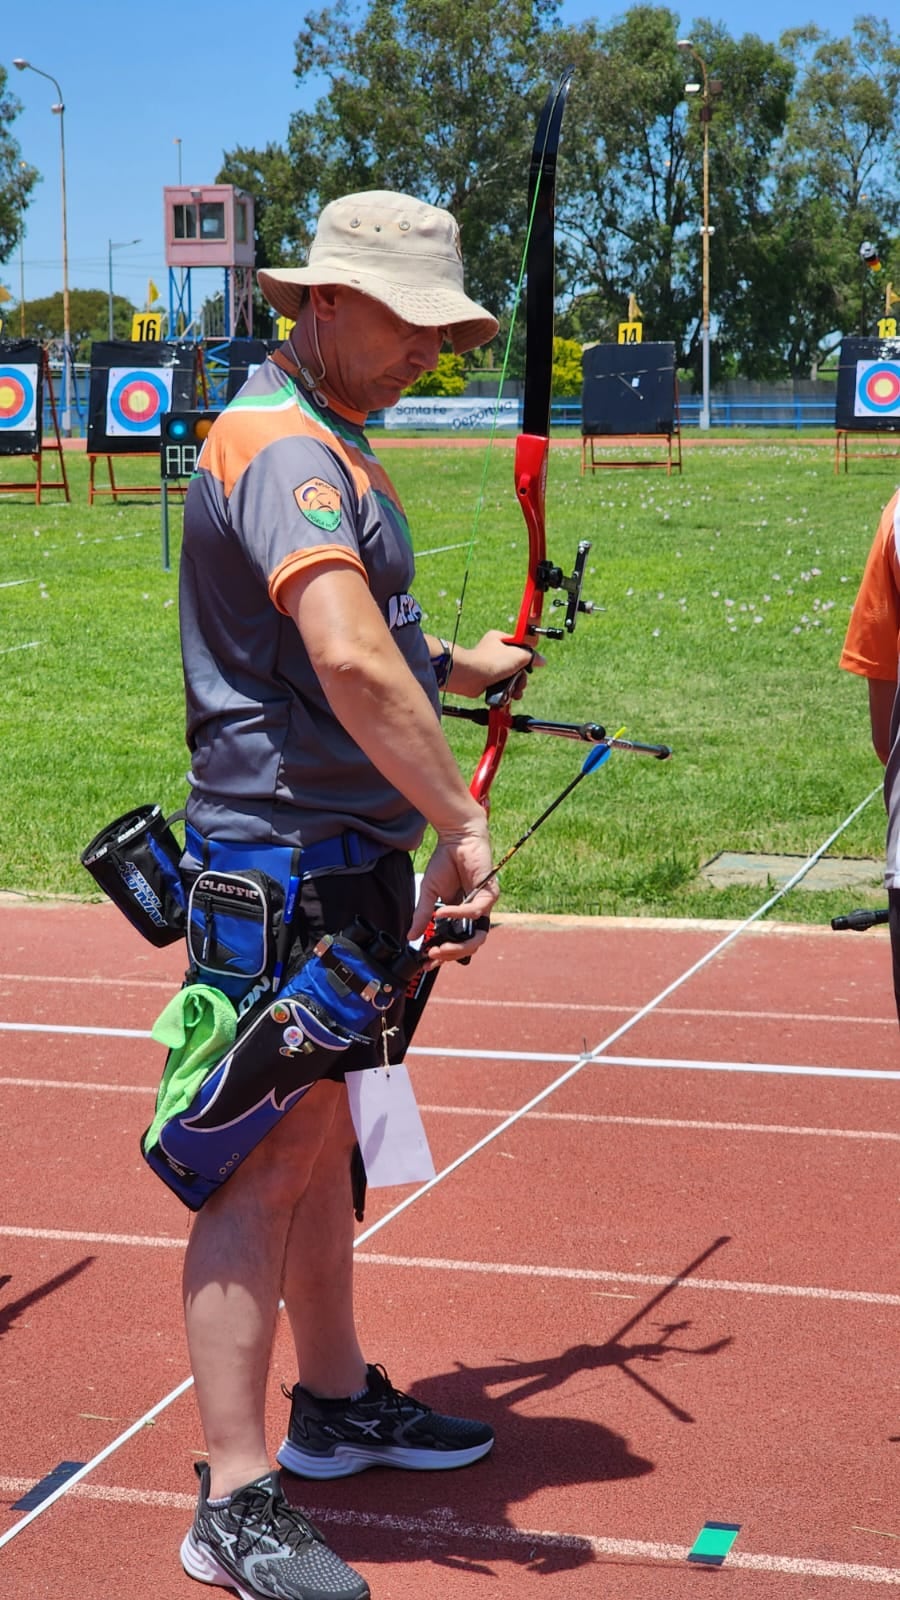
(567, 375)
(448, 377)
(837, 183)
(631, 184)
(89, 318)
(17, 178)
(436, 99)
(283, 201)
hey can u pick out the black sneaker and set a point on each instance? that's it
(264, 1548)
(384, 1428)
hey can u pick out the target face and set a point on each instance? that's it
(18, 398)
(877, 389)
(136, 399)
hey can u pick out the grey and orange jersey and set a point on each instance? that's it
(283, 483)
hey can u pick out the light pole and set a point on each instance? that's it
(707, 89)
(59, 111)
(22, 165)
(124, 246)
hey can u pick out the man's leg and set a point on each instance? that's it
(232, 1282)
(317, 1283)
(346, 1415)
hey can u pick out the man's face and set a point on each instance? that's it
(371, 355)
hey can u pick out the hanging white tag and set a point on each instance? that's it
(389, 1127)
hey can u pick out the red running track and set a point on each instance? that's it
(671, 1286)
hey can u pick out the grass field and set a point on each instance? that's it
(725, 595)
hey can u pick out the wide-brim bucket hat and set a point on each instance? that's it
(395, 249)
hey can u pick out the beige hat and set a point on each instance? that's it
(398, 250)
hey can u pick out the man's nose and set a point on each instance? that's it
(426, 346)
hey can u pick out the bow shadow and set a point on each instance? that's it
(390, 1516)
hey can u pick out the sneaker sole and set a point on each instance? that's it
(200, 1563)
(345, 1460)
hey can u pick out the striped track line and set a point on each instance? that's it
(443, 1525)
(551, 1007)
(503, 1269)
(596, 1058)
(589, 1118)
(582, 1061)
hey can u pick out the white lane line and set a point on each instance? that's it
(88, 982)
(474, 1150)
(145, 1241)
(54, 1085)
(69, 1483)
(33, 644)
(503, 1269)
(61, 1027)
(442, 1524)
(552, 1057)
(581, 1007)
(511, 1269)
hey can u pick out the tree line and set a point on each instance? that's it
(441, 100)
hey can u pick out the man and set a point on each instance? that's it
(872, 649)
(312, 721)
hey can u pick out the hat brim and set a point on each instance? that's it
(468, 323)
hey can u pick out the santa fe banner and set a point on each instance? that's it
(21, 396)
(131, 387)
(868, 385)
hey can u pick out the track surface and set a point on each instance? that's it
(534, 1286)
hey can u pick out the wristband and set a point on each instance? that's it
(442, 665)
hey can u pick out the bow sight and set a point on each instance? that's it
(549, 576)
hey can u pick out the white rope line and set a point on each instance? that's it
(582, 1061)
(89, 1466)
(598, 1050)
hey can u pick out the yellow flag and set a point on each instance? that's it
(152, 294)
(634, 310)
(4, 294)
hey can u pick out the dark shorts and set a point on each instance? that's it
(384, 894)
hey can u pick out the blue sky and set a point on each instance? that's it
(136, 79)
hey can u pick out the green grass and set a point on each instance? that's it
(725, 595)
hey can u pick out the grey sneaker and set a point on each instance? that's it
(264, 1548)
(384, 1428)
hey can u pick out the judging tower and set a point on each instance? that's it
(209, 225)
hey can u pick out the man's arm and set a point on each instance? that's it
(881, 704)
(377, 699)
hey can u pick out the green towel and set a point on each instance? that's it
(198, 1028)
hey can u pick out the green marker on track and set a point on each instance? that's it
(713, 1542)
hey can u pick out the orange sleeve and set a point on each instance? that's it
(872, 644)
(300, 560)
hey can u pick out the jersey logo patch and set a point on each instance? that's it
(402, 610)
(320, 503)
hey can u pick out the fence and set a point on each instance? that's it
(725, 411)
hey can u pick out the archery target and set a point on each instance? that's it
(18, 398)
(136, 399)
(877, 389)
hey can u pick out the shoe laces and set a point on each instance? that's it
(395, 1398)
(268, 1508)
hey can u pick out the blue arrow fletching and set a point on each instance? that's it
(595, 758)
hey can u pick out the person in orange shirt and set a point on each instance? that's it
(872, 650)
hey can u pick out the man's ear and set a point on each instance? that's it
(324, 298)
